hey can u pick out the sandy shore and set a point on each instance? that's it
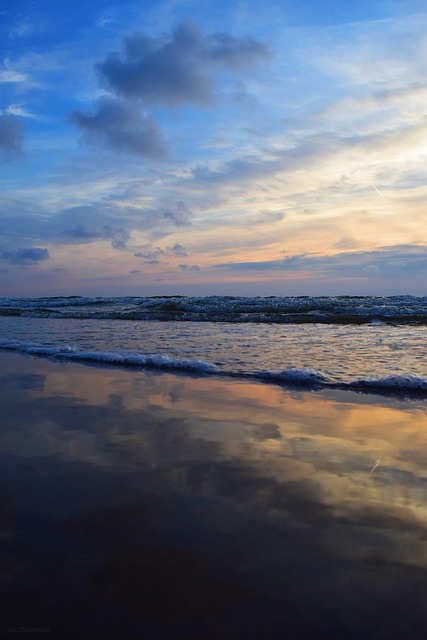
(146, 505)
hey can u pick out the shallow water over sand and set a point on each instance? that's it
(342, 354)
(139, 504)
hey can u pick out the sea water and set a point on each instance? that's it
(343, 341)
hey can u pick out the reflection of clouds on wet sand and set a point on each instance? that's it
(201, 506)
(352, 450)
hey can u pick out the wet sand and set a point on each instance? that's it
(150, 505)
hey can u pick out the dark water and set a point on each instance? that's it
(153, 505)
(273, 310)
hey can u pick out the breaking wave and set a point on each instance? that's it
(407, 381)
(295, 376)
(156, 361)
(304, 377)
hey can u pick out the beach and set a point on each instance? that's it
(157, 504)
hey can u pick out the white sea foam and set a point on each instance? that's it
(233, 367)
(33, 348)
(296, 375)
(158, 361)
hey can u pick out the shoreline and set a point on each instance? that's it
(400, 386)
(152, 503)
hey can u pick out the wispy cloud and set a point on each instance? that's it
(387, 262)
(20, 111)
(9, 76)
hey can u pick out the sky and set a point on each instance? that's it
(198, 147)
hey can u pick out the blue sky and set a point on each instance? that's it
(213, 148)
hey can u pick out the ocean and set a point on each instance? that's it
(213, 468)
(375, 343)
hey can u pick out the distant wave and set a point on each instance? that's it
(278, 310)
(294, 377)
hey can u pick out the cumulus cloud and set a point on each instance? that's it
(25, 256)
(174, 69)
(10, 136)
(177, 68)
(121, 127)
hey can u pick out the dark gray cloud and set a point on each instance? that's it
(84, 233)
(121, 127)
(10, 136)
(177, 68)
(189, 267)
(151, 256)
(25, 256)
(180, 214)
(178, 250)
(389, 262)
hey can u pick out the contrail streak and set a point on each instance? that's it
(378, 191)
(376, 465)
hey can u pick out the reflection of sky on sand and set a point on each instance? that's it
(353, 450)
(332, 487)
